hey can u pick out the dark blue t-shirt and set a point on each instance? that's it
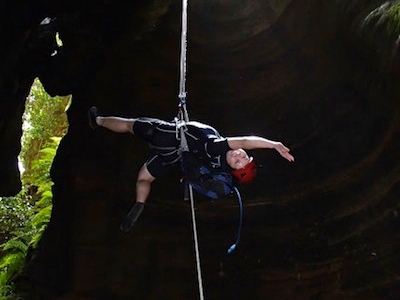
(205, 142)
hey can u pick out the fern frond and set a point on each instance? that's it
(45, 200)
(15, 245)
(10, 265)
(42, 217)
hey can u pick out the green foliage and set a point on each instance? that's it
(44, 119)
(388, 16)
(393, 19)
(39, 167)
(24, 218)
(15, 212)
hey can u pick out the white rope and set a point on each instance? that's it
(182, 79)
(182, 92)
(185, 117)
(199, 279)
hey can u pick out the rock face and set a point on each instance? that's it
(320, 76)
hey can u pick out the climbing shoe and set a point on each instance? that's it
(93, 113)
(131, 217)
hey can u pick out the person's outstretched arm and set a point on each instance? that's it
(257, 142)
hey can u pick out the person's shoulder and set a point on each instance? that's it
(218, 145)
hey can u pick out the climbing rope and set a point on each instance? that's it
(183, 116)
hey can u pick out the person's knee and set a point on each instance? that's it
(144, 175)
(129, 125)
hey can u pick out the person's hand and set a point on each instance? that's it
(283, 151)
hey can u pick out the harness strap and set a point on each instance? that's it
(182, 128)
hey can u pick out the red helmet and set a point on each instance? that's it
(247, 173)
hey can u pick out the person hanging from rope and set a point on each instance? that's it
(228, 153)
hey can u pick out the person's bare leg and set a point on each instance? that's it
(143, 184)
(116, 124)
(143, 187)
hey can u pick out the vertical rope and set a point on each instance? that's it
(183, 115)
(182, 79)
(199, 279)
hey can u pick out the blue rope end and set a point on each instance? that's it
(230, 250)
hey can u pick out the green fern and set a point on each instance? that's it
(393, 19)
(10, 265)
(45, 200)
(386, 15)
(11, 262)
(15, 244)
(30, 210)
(40, 220)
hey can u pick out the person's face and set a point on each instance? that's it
(237, 159)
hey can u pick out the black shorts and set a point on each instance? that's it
(164, 142)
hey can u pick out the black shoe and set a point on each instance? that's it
(93, 113)
(130, 219)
